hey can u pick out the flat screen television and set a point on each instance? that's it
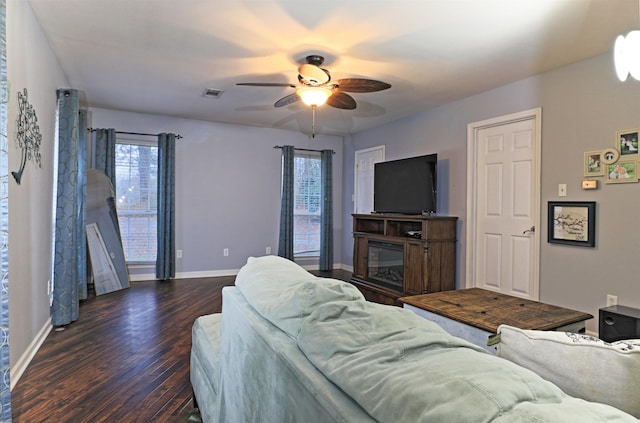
(406, 186)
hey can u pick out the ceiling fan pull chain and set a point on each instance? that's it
(313, 121)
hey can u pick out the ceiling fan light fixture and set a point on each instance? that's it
(314, 96)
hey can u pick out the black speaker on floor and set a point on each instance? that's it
(619, 322)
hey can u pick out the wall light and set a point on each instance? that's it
(626, 55)
(314, 96)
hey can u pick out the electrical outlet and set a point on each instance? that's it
(268, 250)
(225, 252)
(178, 253)
(612, 300)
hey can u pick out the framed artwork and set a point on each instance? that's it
(623, 171)
(627, 143)
(572, 223)
(593, 165)
(610, 155)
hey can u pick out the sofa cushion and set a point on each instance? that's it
(205, 342)
(284, 293)
(581, 365)
(402, 368)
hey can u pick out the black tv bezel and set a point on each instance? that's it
(433, 158)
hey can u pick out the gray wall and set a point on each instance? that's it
(32, 65)
(582, 106)
(227, 188)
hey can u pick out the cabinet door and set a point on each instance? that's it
(360, 256)
(414, 262)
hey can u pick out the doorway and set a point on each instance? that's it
(503, 204)
(363, 190)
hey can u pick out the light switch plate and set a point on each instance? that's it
(562, 190)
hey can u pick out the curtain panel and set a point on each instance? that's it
(166, 262)
(326, 211)
(104, 152)
(81, 210)
(285, 242)
(69, 209)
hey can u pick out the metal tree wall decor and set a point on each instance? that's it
(29, 136)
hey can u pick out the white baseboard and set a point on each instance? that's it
(217, 273)
(21, 365)
(186, 275)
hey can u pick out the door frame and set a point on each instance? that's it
(472, 157)
(356, 192)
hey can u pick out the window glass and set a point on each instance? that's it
(307, 203)
(136, 199)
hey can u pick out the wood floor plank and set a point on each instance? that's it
(125, 360)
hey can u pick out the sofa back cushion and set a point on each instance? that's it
(402, 368)
(285, 294)
(581, 365)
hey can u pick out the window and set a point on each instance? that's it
(136, 198)
(307, 203)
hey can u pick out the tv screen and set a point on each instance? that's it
(406, 186)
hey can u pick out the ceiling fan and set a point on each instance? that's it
(315, 87)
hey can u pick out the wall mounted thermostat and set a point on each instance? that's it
(589, 184)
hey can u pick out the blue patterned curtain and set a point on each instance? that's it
(166, 262)
(104, 152)
(5, 385)
(69, 210)
(326, 211)
(82, 204)
(285, 242)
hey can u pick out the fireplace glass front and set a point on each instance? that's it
(386, 264)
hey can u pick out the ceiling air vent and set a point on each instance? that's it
(210, 92)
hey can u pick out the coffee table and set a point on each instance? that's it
(474, 314)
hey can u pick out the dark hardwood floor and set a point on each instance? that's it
(126, 359)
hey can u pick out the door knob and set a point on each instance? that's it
(530, 230)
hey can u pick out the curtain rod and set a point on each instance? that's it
(135, 133)
(304, 149)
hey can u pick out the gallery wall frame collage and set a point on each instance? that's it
(574, 222)
(619, 163)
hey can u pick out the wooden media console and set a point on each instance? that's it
(400, 255)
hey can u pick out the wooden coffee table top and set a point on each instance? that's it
(487, 310)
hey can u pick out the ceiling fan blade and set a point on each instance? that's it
(341, 100)
(361, 85)
(286, 100)
(266, 84)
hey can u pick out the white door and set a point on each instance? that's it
(503, 234)
(363, 190)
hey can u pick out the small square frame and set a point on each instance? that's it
(593, 165)
(572, 223)
(627, 143)
(623, 171)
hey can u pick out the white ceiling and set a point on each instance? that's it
(158, 56)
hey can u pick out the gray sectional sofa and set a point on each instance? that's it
(293, 347)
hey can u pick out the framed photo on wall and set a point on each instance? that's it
(627, 143)
(572, 223)
(623, 171)
(593, 165)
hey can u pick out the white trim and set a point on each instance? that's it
(224, 272)
(21, 365)
(355, 169)
(472, 131)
